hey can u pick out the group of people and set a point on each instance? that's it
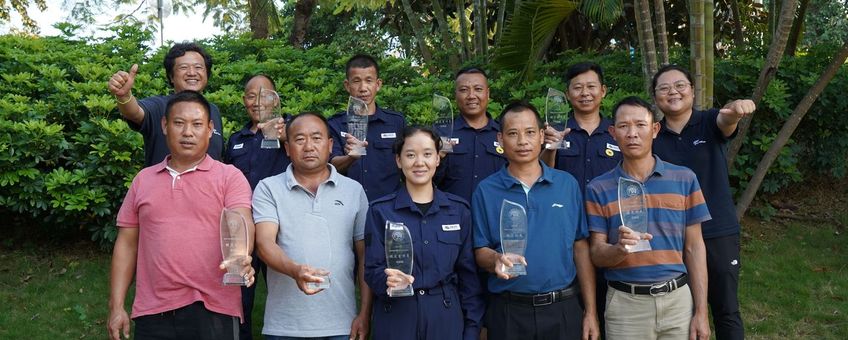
(317, 213)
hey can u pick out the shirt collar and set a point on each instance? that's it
(659, 169)
(204, 165)
(603, 126)
(404, 201)
(491, 124)
(509, 181)
(291, 182)
(694, 119)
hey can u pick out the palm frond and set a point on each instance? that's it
(605, 12)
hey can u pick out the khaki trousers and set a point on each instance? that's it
(631, 316)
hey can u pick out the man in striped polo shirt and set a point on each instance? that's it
(660, 292)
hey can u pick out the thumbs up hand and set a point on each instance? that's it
(122, 82)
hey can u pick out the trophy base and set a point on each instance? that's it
(232, 279)
(359, 151)
(401, 292)
(319, 285)
(447, 147)
(270, 144)
(643, 245)
(561, 145)
(516, 270)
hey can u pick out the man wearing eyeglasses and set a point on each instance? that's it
(698, 140)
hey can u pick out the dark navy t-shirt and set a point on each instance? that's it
(155, 145)
(588, 156)
(475, 156)
(701, 147)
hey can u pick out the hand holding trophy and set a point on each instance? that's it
(357, 124)
(399, 259)
(443, 124)
(513, 231)
(269, 118)
(556, 116)
(234, 246)
(632, 206)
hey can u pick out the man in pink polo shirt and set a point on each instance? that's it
(169, 237)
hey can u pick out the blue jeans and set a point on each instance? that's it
(334, 337)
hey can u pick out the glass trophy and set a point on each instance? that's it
(269, 115)
(513, 230)
(233, 246)
(443, 125)
(399, 255)
(632, 206)
(318, 252)
(357, 123)
(556, 115)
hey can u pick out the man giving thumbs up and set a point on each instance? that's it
(188, 67)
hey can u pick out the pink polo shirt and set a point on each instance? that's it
(179, 247)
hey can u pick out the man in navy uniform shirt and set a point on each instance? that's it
(476, 152)
(698, 140)
(375, 170)
(245, 153)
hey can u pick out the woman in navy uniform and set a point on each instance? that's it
(447, 302)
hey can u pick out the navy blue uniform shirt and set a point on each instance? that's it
(245, 153)
(588, 156)
(448, 298)
(377, 171)
(701, 147)
(472, 160)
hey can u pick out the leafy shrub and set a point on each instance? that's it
(66, 157)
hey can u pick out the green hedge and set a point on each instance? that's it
(66, 157)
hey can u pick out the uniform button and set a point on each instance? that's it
(679, 138)
(420, 292)
(365, 170)
(476, 156)
(426, 242)
(475, 176)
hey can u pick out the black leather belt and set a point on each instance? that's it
(542, 299)
(657, 289)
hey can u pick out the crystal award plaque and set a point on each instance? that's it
(233, 246)
(556, 115)
(443, 125)
(269, 115)
(318, 253)
(632, 206)
(513, 230)
(357, 123)
(399, 255)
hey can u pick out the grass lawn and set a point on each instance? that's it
(793, 285)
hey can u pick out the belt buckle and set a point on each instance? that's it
(660, 289)
(543, 299)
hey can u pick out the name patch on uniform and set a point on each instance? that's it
(450, 227)
(613, 147)
(238, 146)
(388, 135)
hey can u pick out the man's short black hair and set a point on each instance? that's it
(580, 68)
(179, 50)
(666, 68)
(307, 114)
(634, 101)
(471, 70)
(263, 75)
(519, 106)
(187, 96)
(361, 61)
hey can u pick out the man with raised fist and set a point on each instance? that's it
(188, 67)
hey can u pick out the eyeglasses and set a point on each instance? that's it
(679, 86)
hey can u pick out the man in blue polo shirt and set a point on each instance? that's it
(542, 304)
(591, 149)
(476, 152)
(650, 295)
(244, 151)
(698, 140)
(375, 171)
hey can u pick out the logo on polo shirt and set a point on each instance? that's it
(556, 205)
(337, 202)
(698, 141)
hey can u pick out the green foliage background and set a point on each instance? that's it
(66, 157)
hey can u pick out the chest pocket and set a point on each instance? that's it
(382, 143)
(447, 249)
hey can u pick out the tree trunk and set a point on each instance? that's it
(789, 128)
(778, 44)
(303, 10)
(501, 19)
(662, 34)
(415, 24)
(738, 34)
(642, 11)
(447, 40)
(698, 50)
(797, 27)
(258, 17)
(463, 29)
(478, 27)
(709, 52)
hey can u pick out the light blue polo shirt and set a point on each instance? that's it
(556, 219)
